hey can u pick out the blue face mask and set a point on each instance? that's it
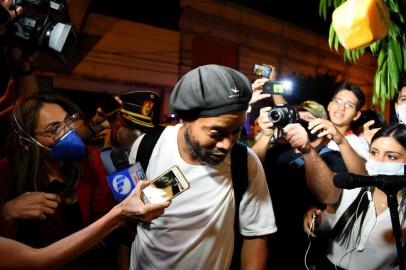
(69, 146)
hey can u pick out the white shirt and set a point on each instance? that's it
(373, 251)
(359, 145)
(196, 230)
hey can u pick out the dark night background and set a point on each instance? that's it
(166, 13)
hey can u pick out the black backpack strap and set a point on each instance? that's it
(146, 147)
(239, 174)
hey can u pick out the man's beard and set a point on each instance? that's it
(200, 154)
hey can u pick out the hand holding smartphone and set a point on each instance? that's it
(166, 187)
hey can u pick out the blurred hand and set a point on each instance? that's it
(9, 6)
(326, 128)
(134, 208)
(309, 224)
(368, 133)
(20, 57)
(31, 205)
(296, 135)
(257, 91)
(106, 120)
(266, 125)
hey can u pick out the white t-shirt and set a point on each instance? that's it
(196, 230)
(359, 145)
(373, 250)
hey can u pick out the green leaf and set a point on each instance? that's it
(392, 69)
(393, 6)
(397, 53)
(381, 57)
(374, 48)
(336, 42)
(377, 85)
(331, 35)
(383, 86)
(323, 9)
(404, 56)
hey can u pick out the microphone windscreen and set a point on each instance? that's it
(343, 180)
(119, 158)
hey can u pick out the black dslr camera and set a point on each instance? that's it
(45, 25)
(282, 114)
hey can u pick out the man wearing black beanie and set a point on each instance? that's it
(196, 230)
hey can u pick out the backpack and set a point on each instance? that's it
(239, 175)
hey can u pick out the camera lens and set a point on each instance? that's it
(275, 115)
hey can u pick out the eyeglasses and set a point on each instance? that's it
(57, 130)
(346, 104)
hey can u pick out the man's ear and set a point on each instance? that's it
(357, 116)
(329, 106)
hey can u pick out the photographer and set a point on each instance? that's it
(16, 79)
(284, 168)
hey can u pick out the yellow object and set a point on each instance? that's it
(358, 23)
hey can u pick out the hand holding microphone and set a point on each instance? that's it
(125, 178)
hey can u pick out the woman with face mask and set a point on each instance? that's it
(359, 225)
(55, 185)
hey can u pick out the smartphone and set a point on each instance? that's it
(262, 71)
(372, 115)
(166, 187)
(366, 116)
(109, 105)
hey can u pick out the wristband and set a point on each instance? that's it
(304, 149)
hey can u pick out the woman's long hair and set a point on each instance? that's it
(344, 227)
(26, 159)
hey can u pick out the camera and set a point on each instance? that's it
(282, 114)
(277, 87)
(44, 25)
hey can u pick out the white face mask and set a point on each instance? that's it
(401, 113)
(386, 168)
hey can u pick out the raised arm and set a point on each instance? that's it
(14, 255)
(353, 162)
(262, 145)
(319, 176)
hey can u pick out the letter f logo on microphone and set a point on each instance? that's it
(122, 184)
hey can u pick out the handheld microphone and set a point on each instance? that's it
(350, 181)
(123, 180)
